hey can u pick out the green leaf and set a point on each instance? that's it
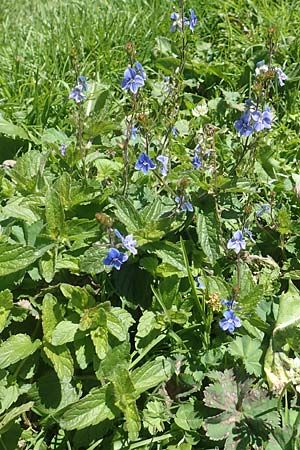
(51, 315)
(208, 236)
(106, 168)
(10, 129)
(62, 361)
(222, 394)
(6, 304)
(125, 396)
(16, 348)
(169, 254)
(151, 374)
(90, 410)
(99, 335)
(80, 298)
(27, 169)
(15, 257)
(117, 323)
(23, 208)
(127, 214)
(64, 332)
(249, 350)
(186, 418)
(13, 414)
(54, 214)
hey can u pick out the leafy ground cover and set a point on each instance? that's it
(149, 225)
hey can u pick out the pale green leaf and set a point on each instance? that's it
(249, 350)
(15, 257)
(90, 410)
(151, 374)
(54, 214)
(61, 360)
(6, 304)
(51, 315)
(13, 414)
(16, 348)
(64, 332)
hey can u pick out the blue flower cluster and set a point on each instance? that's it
(78, 93)
(230, 321)
(115, 258)
(253, 120)
(179, 22)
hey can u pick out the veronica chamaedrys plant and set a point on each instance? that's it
(144, 163)
(128, 242)
(115, 258)
(237, 242)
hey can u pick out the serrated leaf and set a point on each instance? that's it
(6, 304)
(15, 257)
(186, 418)
(127, 214)
(16, 348)
(249, 350)
(22, 208)
(99, 336)
(151, 374)
(116, 325)
(220, 426)
(54, 214)
(64, 332)
(223, 393)
(61, 360)
(169, 254)
(125, 396)
(51, 315)
(25, 172)
(90, 410)
(80, 298)
(208, 234)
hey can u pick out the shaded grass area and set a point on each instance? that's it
(44, 44)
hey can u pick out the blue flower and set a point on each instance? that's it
(196, 161)
(134, 133)
(230, 321)
(228, 303)
(128, 242)
(243, 126)
(262, 120)
(281, 76)
(175, 131)
(144, 163)
(140, 71)
(82, 81)
(77, 94)
(250, 234)
(193, 20)
(115, 258)
(237, 243)
(265, 208)
(132, 81)
(164, 160)
(178, 24)
(184, 204)
(63, 149)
